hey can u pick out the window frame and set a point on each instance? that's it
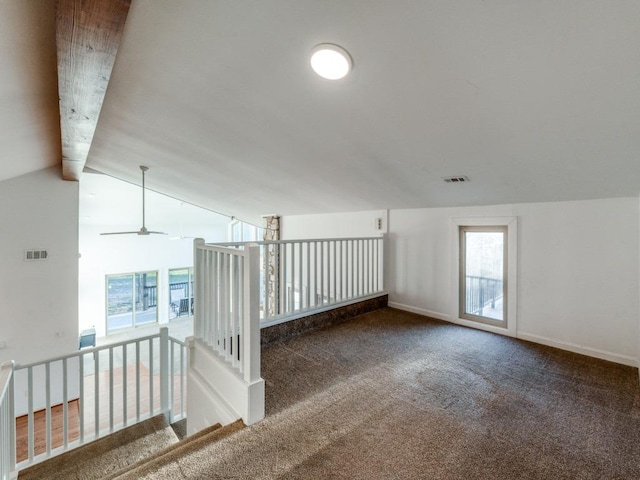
(509, 326)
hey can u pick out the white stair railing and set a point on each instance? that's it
(225, 355)
(59, 404)
(302, 277)
(226, 298)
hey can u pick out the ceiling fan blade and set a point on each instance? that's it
(149, 232)
(120, 233)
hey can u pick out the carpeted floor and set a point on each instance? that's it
(392, 395)
(108, 454)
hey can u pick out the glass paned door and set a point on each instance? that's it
(483, 262)
(131, 300)
(119, 302)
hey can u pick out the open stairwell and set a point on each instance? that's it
(145, 450)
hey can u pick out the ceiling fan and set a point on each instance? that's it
(143, 230)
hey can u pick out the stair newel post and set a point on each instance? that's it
(251, 318)
(164, 375)
(250, 349)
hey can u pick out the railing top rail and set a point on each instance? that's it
(86, 351)
(305, 240)
(6, 371)
(179, 342)
(224, 248)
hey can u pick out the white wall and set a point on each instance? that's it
(578, 276)
(110, 205)
(333, 225)
(39, 312)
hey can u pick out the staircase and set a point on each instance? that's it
(145, 450)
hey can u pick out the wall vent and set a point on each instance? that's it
(456, 179)
(37, 254)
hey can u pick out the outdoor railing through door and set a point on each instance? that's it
(482, 292)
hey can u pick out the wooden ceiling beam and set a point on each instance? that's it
(88, 33)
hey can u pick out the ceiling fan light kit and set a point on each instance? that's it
(143, 230)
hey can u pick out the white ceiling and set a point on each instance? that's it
(533, 101)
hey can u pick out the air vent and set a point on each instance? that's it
(456, 179)
(38, 254)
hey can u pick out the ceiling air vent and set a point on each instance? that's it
(456, 179)
(38, 254)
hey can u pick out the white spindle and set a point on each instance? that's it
(137, 382)
(81, 406)
(65, 404)
(125, 418)
(366, 267)
(47, 376)
(110, 389)
(96, 392)
(183, 353)
(163, 340)
(308, 244)
(30, 412)
(150, 377)
(237, 320)
(300, 278)
(283, 259)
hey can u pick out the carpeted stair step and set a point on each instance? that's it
(153, 466)
(180, 428)
(106, 455)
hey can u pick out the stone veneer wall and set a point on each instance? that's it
(323, 319)
(272, 232)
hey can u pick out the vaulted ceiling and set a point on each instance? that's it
(533, 101)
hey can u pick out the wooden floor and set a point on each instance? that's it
(40, 429)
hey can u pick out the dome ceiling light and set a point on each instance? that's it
(331, 61)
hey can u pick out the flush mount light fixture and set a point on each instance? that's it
(330, 61)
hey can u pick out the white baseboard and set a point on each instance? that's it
(550, 342)
(573, 347)
(420, 311)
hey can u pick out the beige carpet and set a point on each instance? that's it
(108, 454)
(392, 395)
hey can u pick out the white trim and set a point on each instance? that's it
(420, 311)
(530, 337)
(581, 349)
(512, 271)
(507, 332)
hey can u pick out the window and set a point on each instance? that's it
(131, 300)
(483, 267)
(245, 232)
(180, 292)
(484, 273)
